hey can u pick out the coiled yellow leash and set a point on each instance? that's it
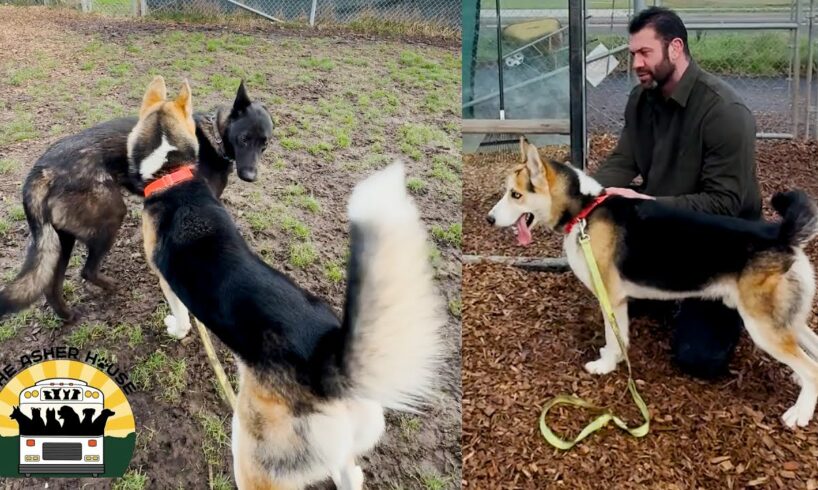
(606, 416)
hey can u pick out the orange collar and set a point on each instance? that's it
(177, 176)
(586, 211)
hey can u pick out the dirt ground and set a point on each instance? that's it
(527, 335)
(343, 106)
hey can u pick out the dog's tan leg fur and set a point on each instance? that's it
(767, 301)
(264, 417)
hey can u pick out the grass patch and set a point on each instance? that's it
(433, 481)
(416, 70)
(5, 226)
(104, 356)
(415, 185)
(132, 480)
(318, 63)
(7, 166)
(295, 227)
(296, 194)
(20, 76)
(414, 138)
(48, 320)
(120, 69)
(149, 370)
(21, 128)
(442, 168)
(11, 325)
(291, 143)
(455, 307)
(174, 380)
(434, 255)
(334, 272)
(260, 220)
(126, 331)
(17, 213)
(394, 29)
(85, 335)
(69, 291)
(322, 149)
(221, 481)
(409, 426)
(215, 438)
(225, 85)
(302, 254)
(453, 235)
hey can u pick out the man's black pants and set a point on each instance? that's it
(705, 333)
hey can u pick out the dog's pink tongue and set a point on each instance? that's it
(523, 233)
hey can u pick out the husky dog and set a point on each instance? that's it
(313, 387)
(645, 249)
(73, 192)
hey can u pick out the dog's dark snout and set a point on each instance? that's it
(490, 219)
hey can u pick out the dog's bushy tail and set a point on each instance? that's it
(393, 313)
(41, 257)
(800, 215)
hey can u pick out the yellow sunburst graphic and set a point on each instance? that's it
(119, 425)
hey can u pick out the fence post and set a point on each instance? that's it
(810, 52)
(312, 13)
(796, 70)
(576, 77)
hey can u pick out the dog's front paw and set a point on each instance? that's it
(176, 329)
(603, 365)
(797, 416)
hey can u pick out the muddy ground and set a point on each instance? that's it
(343, 105)
(527, 335)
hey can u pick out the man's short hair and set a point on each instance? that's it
(665, 22)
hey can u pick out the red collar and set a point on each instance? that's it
(586, 211)
(177, 176)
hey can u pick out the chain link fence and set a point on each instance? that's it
(764, 50)
(757, 64)
(433, 12)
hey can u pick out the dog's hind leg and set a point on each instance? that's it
(367, 419)
(611, 354)
(54, 292)
(350, 477)
(102, 240)
(782, 344)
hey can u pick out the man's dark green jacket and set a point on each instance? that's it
(695, 149)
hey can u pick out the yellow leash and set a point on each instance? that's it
(217, 366)
(606, 416)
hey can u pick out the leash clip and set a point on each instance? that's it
(582, 226)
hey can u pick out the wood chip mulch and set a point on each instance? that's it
(527, 335)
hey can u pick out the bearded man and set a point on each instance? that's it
(691, 140)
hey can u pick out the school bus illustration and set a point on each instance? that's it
(62, 424)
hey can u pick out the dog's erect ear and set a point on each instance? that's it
(523, 149)
(156, 94)
(533, 162)
(242, 100)
(185, 100)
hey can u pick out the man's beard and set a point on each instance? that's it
(660, 74)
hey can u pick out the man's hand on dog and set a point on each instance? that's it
(625, 192)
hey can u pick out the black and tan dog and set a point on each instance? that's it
(73, 193)
(312, 386)
(649, 250)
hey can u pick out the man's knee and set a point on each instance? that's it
(705, 336)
